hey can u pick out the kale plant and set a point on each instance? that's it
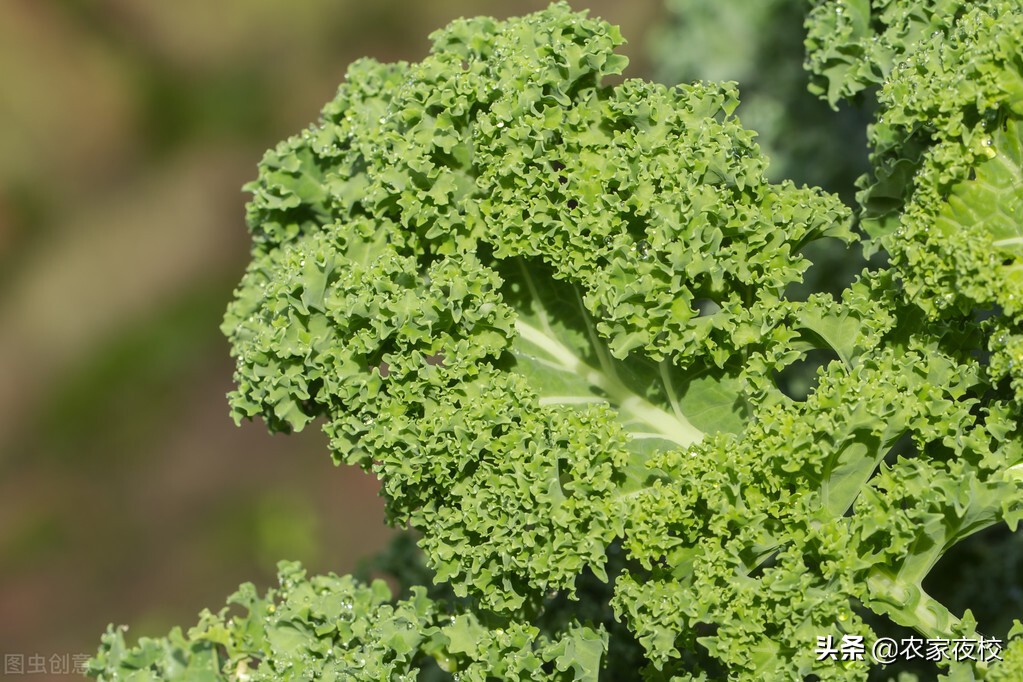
(553, 316)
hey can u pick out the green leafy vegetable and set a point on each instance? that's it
(550, 314)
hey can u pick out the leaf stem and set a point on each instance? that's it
(908, 605)
(673, 427)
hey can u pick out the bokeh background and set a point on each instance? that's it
(127, 128)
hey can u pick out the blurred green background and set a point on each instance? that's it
(127, 128)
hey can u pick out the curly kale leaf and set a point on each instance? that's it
(526, 282)
(943, 198)
(336, 628)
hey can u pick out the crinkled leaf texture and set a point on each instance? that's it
(550, 315)
(336, 628)
(513, 286)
